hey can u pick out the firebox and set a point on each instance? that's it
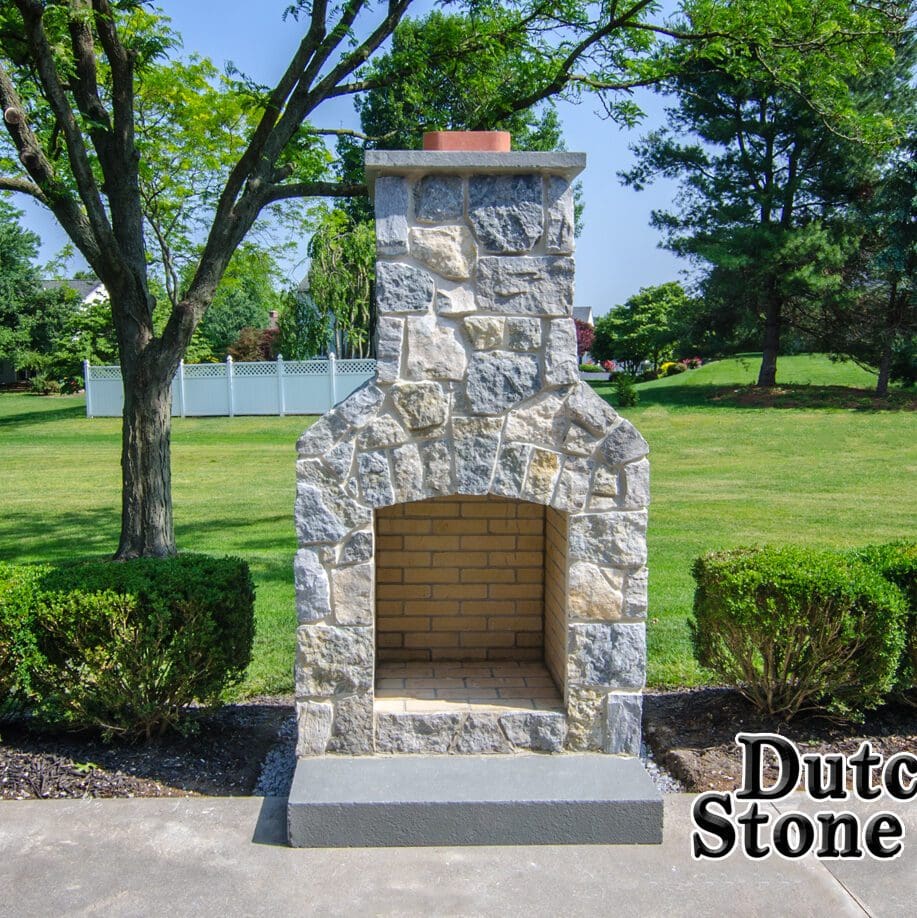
(471, 572)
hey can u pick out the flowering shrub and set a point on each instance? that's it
(692, 363)
(609, 365)
(672, 368)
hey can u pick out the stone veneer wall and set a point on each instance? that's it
(460, 579)
(476, 393)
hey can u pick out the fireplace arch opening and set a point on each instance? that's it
(470, 605)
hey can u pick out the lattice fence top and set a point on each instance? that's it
(205, 370)
(261, 368)
(105, 372)
(305, 368)
(349, 367)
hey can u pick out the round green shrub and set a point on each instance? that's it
(19, 586)
(797, 629)
(128, 646)
(897, 563)
(626, 395)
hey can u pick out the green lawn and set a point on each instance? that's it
(722, 476)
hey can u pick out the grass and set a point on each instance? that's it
(722, 476)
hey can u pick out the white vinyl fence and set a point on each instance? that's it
(271, 387)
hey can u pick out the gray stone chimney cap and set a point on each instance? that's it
(406, 162)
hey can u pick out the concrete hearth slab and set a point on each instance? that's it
(407, 800)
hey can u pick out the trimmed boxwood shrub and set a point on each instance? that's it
(127, 646)
(19, 587)
(797, 629)
(897, 562)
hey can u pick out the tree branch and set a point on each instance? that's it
(314, 190)
(23, 185)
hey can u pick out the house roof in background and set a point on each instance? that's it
(583, 313)
(82, 288)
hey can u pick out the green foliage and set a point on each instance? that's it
(897, 562)
(88, 334)
(304, 331)
(341, 275)
(245, 298)
(645, 328)
(797, 629)
(19, 587)
(126, 647)
(625, 391)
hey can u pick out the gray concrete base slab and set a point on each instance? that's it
(408, 800)
(206, 857)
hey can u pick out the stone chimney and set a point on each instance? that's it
(476, 414)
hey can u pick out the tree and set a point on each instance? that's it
(585, 335)
(70, 75)
(755, 209)
(304, 330)
(644, 328)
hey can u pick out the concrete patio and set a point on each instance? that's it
(227, 856)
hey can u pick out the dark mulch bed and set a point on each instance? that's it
(692, 734)
(222, 756)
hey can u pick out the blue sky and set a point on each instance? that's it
(617, 252)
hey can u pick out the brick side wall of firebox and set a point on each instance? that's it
(555, 595)
(460, 578)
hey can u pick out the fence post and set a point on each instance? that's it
(181, 386)
(281, 395)
(232, 407)
(332, 379)
(87, 385)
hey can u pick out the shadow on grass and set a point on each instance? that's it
(60, 536)
(25, 418)
(751, 397)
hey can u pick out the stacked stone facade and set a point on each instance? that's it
(476, 393)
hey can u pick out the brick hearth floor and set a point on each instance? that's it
(424, 687)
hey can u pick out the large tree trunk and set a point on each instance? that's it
(767, 375)
(885, 365)
(146, 474)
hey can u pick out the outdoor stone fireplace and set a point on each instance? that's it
(471, 567)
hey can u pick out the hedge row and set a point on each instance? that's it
(124, 647)
(798, 630)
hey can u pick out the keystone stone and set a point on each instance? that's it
(476, 443)
(526, 286)
(506, 211)
(402, 288)
(497, 380)
(511, 468)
